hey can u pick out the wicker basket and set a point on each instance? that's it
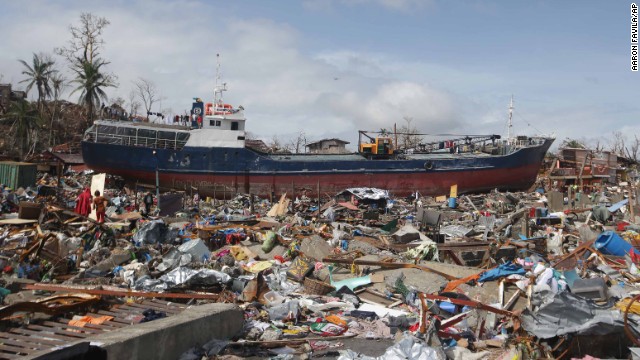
(316, 287)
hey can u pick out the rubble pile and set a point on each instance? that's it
(498, 275)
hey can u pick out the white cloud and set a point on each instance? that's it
(325, 92)
(396, 5)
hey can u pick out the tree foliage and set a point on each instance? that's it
(25, 121)
(91, 83)
(409, 138)
(297, 143)
(86, 40)
(147, 92)
(134, 104)
(58, 84)
(39, 73)
(572, 143)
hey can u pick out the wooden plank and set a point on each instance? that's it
(126, 293)
(166, 303)
(9, 354)
(63, 338)
(32, 339)
(24, 344)
(140, 308)
(16, 349)
(455, 258)
(163, 307)
(57, 331)
(110, 313)
(119, 311)
(104, 326)
(74, 327)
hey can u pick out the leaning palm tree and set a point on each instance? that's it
(38, 74)
(91, 82)
(25, 121)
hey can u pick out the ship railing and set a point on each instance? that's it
(136, 141)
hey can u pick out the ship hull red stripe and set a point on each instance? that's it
(520, 178)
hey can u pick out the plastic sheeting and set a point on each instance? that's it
(502, 271)
(368, 193)
(174, 258)
(566, 313)
(182, 276)
(155, 231)
(408, 348)
(455, 230)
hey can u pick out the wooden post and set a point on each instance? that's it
(632, 196)
(318, 188)
(135, 196)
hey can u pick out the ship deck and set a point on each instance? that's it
(359, 157)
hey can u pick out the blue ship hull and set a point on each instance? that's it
(223, 171)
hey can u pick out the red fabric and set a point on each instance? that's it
(83, 205)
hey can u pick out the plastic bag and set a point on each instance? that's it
(269, 242)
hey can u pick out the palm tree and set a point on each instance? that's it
(38, 74)
(58, 83)
(91, 82)
(24, 124)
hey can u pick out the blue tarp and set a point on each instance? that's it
(502, 271)
(618, 205)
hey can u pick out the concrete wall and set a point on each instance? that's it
(168, 338)
(163, 339)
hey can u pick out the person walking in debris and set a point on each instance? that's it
(148, 201)
(83, 203)
(100, 205)
(196, 200)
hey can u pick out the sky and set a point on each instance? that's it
(329, 68)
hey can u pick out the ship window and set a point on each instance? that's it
(181, 139)
(240, 137)
(166, 139)
(147, 137)
(214, 122)
(234, 125)
(107, 134)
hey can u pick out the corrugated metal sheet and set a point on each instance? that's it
(17, 174)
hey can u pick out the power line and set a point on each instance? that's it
(528, 123)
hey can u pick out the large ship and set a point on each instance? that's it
(211, 155)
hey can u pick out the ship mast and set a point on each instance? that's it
(510, 124)
(220, 87)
